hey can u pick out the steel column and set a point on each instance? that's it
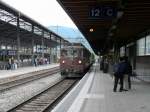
(32, 43)
(18, 39)
(42, 39)
(56, 52)
(50, 53)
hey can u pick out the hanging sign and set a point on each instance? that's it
(103, 12)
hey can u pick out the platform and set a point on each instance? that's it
(94, 93)
(6, 75)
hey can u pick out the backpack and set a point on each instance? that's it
(122, 66)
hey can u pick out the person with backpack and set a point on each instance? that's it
(128, 74)
(119, 74)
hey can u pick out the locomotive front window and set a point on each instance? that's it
(63, 53)
(75, 53)
(71, 53)
(67, 53)
(80, 53)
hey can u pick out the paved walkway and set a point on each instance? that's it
(97, 95)
(135, 100)
(24, 70)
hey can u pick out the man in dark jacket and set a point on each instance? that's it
(128, 72)
(119, 74)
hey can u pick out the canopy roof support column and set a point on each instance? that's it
(18, 40)
(56, 53)
(60, 44)
(42, 44)
(32, 43)
(50, 52)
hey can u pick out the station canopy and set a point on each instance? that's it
(13, 23)
(109, 23)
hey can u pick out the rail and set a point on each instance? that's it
(46, 99)
(34, 76)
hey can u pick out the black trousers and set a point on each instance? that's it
(116, 81)
(129, 81)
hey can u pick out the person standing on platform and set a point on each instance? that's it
(115, 67)
(119, 74)
(35, 61)
(102, 64)
(9, 64)
(105, 68)
(128, 74)
(12, 64)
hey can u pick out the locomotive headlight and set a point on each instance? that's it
(79, 61)
(63, 61)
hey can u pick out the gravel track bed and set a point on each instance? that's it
(15, 96)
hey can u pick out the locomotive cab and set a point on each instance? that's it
(72, 63)
(74, 60)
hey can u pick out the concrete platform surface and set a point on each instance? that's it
(23, 70)
(94, 93)
(10, 75)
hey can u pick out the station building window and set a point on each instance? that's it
(148, 45)
(141, 47)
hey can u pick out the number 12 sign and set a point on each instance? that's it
(103, 12)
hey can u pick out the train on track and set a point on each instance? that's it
(75, 60)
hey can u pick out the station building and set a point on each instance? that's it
(23, 39)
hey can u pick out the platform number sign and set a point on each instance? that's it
(103, 12)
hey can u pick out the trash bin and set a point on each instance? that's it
(105, 70)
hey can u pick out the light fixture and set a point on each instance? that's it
(119, 14)
(113, 27)
(91, 30)
(111, 34)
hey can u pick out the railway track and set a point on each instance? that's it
(46, 99)
(34, 76)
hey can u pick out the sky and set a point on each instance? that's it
(45, 12)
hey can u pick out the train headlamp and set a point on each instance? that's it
(79, 61)
(63, 61)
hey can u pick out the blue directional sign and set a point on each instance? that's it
(103, 12)
(3, 52)
(11, 52)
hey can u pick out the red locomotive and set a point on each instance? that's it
(75, 60)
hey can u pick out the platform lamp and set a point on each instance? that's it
(91, 30)
(120, 14)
